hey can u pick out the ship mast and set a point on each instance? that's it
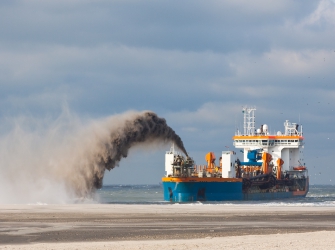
(249, 120)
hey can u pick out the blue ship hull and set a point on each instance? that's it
(202, 191)
(220, 191)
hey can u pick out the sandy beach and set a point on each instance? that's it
(99, 226)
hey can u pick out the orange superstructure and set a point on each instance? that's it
(195, 179)
(266, 157)
(267, 137)
(280, 163)
(210, 159)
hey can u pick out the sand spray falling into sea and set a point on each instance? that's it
(63, 160)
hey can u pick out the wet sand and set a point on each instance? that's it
(167, 226)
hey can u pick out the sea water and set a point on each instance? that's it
(318, 195)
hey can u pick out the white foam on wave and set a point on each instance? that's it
(262, 204)
(299, 204)
(37, 203)
(321, 196)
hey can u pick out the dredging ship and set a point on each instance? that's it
(272, 167)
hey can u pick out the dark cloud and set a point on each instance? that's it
(187, 25)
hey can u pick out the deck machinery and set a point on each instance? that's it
(272, 167)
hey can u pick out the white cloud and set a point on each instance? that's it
(216, 114)
(323, 15)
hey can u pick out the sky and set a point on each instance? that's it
(195, 63)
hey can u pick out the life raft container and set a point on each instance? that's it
(299, 168)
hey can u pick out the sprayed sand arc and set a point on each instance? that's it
(65, 160)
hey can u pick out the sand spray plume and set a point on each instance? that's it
(59, 161)
(144, 127)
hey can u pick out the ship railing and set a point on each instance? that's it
(173, 152)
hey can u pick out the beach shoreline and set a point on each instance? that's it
(321, 240)
(25, 226)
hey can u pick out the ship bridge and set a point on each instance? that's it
(287, 145)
